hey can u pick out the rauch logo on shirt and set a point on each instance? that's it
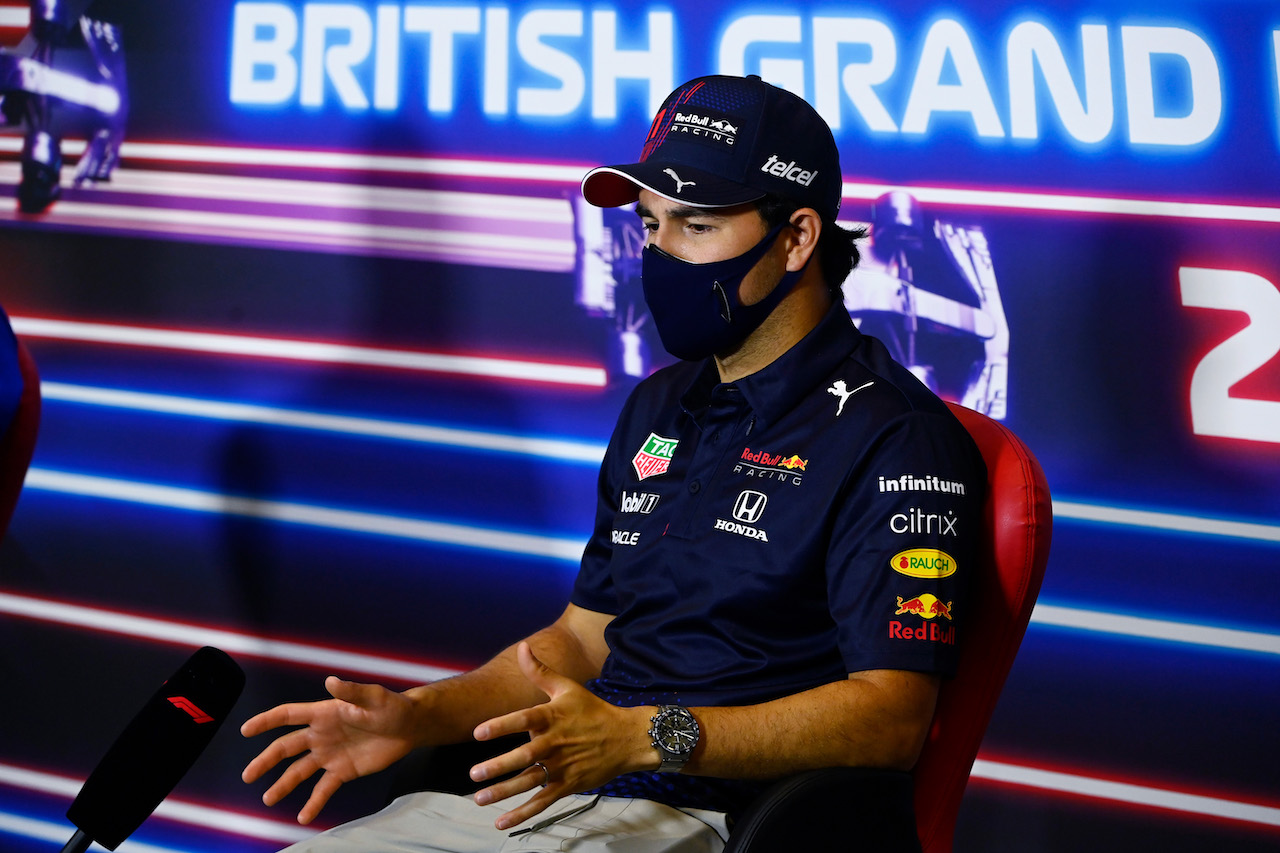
(923, 563)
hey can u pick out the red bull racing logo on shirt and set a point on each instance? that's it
(923, 563)
(655, 457)
(771, 466)
(774, 460)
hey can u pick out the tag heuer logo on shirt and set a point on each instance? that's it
(655, 457)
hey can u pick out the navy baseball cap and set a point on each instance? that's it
(720, 141)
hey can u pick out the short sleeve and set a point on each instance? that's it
(904, 544)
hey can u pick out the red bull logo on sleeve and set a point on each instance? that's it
(926, 605)
(654, 457)
(928, 563)
(930, 608)
(928, 631)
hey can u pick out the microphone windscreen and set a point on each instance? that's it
(157, 748)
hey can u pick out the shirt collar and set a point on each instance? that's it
(776, 388)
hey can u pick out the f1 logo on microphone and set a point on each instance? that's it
(191, 708)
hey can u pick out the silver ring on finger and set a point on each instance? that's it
(546, 774)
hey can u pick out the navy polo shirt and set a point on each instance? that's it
(763, 537)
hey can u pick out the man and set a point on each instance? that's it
(774, 579)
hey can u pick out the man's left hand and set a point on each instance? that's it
(581, 740)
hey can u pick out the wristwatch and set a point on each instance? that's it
(675, 733)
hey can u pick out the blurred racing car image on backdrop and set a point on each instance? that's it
(65, 78)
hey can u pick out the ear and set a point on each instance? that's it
(806, 228)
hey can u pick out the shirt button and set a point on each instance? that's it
(694, 487)
(715, 436)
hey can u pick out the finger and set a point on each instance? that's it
(254, 770)
(525, 720)
(508, 762)
(329, 783)
(297, 773)
(258, 723)
(364, 695)
(527, 781)
(292, 714)
(285, 746)
(539, 674)
(536, 805)
(265, 721)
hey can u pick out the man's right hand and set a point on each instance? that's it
(363, 729)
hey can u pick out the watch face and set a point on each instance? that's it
(675, 731)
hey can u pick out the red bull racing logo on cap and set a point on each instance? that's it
(705, 126)
(927, 605)
(654, 457)
(923, 563)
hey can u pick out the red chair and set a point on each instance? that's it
(1019, 523)
(810, 811)
(19, 439)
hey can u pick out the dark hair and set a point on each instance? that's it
(837, 246)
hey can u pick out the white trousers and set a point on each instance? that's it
(430, 822)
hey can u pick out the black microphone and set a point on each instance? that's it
(155, 750)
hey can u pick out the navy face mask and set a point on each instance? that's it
(697, 308)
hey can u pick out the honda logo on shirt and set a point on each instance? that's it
(750, 506)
